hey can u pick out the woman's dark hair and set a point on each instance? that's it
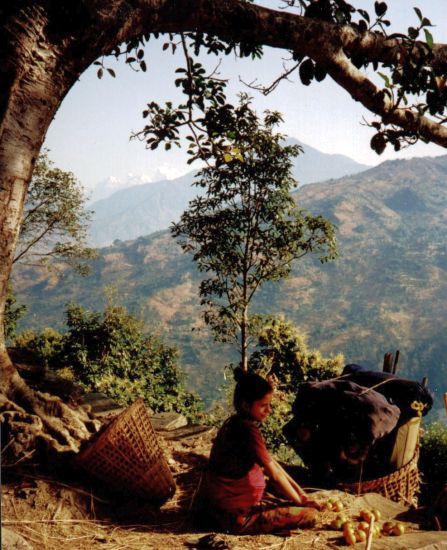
(249, 388)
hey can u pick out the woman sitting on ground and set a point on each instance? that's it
(235, 483)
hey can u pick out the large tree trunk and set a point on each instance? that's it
(40, 61)
(34, 88)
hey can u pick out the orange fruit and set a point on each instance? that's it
(360, 535)
(338, 506)
(398, 529)
(363, 526)
(387, 527)
(336, 524)
(349, 537)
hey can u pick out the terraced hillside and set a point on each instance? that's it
(387, 291)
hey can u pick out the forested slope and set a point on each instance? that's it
(386, 291)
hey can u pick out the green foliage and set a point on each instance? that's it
(433, 460)
(247, 229)
(282, 351)
(55, 221)
(414, 82)
(109, 353)
(13, 313)
(46, 347)
(205, 111)
(272, 427)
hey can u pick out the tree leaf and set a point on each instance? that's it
(386, 79)
(380, 8)
(307, 71)
(418, 13)
(413, 33)
(428, 38)
(378, 143)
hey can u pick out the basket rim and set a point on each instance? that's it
(102, 436)
(396, 474)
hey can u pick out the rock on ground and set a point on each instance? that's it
(13, 541)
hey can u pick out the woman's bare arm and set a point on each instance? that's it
(304, 497)
(279, 478)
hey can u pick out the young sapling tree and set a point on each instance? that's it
(247, 229)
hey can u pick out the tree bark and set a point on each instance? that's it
(244, 337)
(28, 103)
(35, 87)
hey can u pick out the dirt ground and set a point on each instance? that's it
(55, 508)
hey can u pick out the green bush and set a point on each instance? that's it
(46, 347)
(109, 353)
(283, 351)
(13, 313)
(433, 461)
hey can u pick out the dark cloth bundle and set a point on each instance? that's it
(336, 422)
(342, 424)
(412, 398)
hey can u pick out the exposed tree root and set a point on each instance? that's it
(35, 421)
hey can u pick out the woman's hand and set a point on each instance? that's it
(311, 503)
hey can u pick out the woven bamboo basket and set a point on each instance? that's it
(128, 457)
(401, 485)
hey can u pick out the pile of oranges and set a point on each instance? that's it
(357, 530)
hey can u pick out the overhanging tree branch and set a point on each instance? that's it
(366, 92)
(333, 47)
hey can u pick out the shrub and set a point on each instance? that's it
(13, 313)
(433, 460)
(109, 353)
(284, 352)
(46, 347)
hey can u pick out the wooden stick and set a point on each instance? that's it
(388, 362)
(18, 521)
(376, 386)
(396, 359)
(445, 402)
(370, 535)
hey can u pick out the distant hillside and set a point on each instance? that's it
(387, 290)
(145, 208)
(313, 166)
(140, 210)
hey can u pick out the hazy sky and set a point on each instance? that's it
(90, 133)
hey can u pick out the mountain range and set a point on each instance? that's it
(386, 291)
(140, 208)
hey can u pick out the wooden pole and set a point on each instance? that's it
(445, 402)
(370, 535)
(388, 362)
(396, 359)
